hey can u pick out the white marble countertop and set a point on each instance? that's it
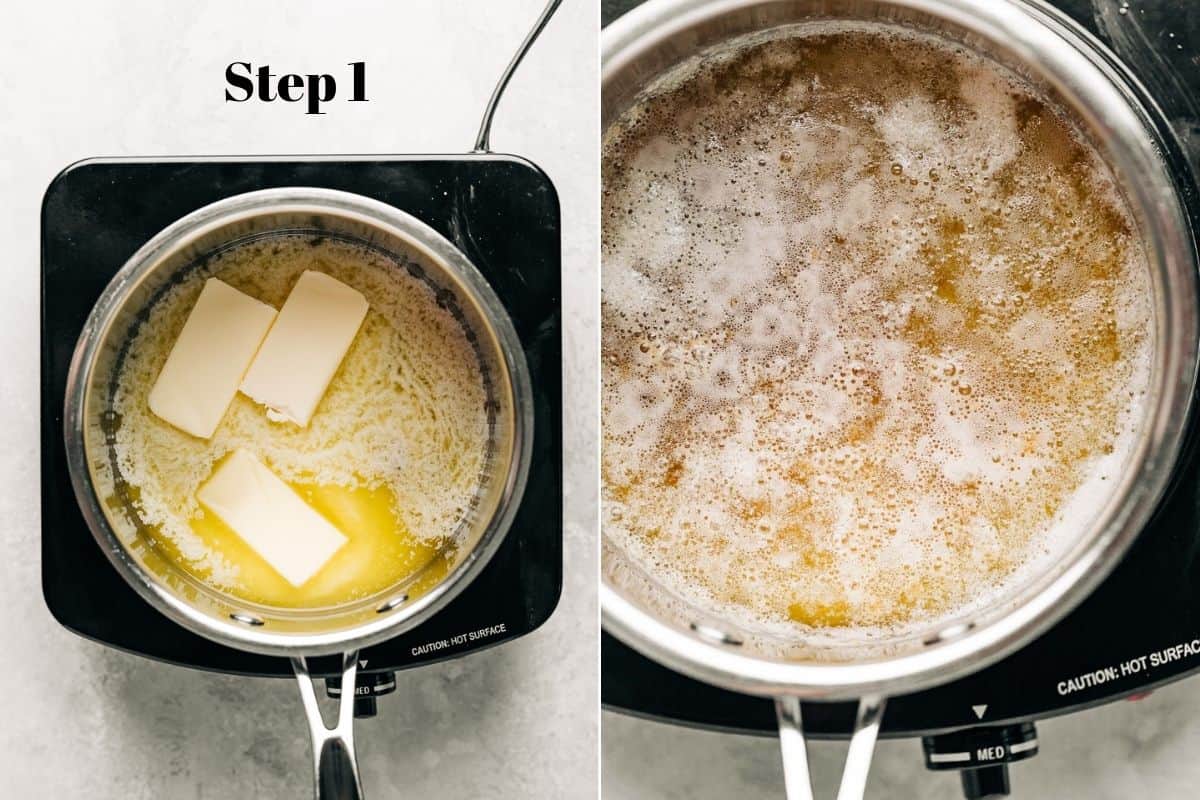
(116, 78)
(1118, 751)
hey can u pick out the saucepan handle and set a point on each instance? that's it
(483, 142)
(335, 767)
(797, 783)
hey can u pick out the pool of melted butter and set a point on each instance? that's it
(379, 552)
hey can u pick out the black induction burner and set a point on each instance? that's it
(500, 211)
(1138, 630)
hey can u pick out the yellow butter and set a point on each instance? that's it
(208, 359)
(270, 517)
(305, 347)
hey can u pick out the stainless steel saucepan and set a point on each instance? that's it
(1077, 73)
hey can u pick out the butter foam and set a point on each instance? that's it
(876, 332)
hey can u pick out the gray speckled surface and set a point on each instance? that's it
(110, 78)
(1118, 751)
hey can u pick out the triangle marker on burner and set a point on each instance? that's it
(979, 711)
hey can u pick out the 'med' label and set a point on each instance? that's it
(246, 83)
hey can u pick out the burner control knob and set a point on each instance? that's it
(985, 782)
(981, 754)
(370, 686)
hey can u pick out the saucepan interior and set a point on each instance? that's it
(655, 44)
(178, 254)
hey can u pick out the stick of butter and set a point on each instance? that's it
(305, 347)
(287, 532)
(207, 361)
